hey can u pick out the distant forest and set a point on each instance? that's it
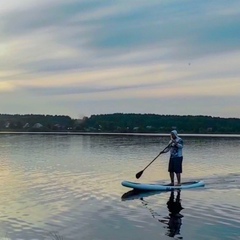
(120, 123)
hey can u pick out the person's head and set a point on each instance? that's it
(173, 134)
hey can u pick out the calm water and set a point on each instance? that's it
(69, 187)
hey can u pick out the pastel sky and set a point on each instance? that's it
(84, 57)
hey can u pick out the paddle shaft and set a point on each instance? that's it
(152, 161)
(157, 156)
(139, 174)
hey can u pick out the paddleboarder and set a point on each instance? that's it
(176, 157)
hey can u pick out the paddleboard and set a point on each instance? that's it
(159, 187)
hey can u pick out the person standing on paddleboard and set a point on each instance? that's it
(176, 157)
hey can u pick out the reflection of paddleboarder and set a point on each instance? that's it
(175, 217)
(173, 220)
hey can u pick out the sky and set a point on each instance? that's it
(85, 57)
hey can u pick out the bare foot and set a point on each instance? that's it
(178, 184)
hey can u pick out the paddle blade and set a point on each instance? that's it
(139, 174)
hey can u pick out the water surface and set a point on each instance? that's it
(69, 187)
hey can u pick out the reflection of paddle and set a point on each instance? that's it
(139, 174)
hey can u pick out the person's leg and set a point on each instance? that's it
(178, 178)
(172, 178)
(178, 169)
(171, 171)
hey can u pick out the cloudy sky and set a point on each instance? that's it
(83, 57)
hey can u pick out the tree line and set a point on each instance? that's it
(163, 123)
(121, 123)
(34, 122)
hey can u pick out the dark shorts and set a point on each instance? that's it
(175, 164)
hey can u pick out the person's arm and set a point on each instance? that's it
(178, 144)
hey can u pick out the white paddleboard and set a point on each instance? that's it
(159, 187)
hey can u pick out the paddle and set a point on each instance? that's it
(139, 174)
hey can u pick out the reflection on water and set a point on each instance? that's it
(69, 187)
(173, 221)
(175, 217)
(206, 214)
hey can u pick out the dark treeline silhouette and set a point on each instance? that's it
(34, 122)
(121, 123)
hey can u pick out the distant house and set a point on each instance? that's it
(135, 128)
(209, 129)
(37, 125)
(57, 126)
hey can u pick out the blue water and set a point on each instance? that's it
(69, 187)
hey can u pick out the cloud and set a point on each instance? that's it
(61, 36)
(89, 49)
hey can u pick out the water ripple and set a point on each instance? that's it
(69, 187)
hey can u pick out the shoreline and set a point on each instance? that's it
(218, 135)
